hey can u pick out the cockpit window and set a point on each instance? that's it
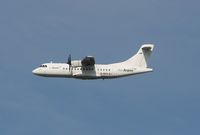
(43, 65)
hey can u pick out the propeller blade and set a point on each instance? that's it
(69, 60)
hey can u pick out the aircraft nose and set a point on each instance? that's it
(35, 71)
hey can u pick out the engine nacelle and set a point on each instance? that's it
(76, 63)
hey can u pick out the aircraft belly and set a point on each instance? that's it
(84, 75)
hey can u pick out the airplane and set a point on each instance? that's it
(88, 69)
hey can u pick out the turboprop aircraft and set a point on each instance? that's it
(88, 69)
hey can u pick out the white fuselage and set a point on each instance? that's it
(94, 72)
(137, 64)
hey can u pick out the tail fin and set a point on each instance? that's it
(140, 59)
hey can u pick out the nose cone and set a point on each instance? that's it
(35, 71)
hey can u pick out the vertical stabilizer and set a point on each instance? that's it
(141, 58)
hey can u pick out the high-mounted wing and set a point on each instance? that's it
(88, 61)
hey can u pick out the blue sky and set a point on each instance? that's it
(160, 103)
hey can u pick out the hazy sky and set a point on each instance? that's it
(165, 102)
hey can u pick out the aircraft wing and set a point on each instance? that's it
(88, 61)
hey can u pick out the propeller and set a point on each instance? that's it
(69, 61)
